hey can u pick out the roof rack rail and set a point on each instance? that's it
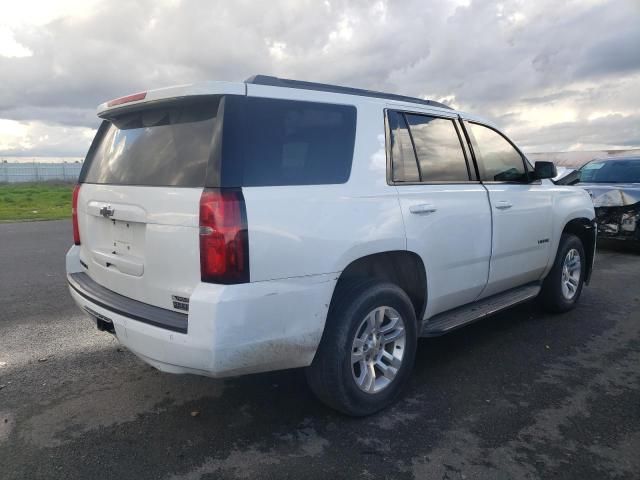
(325, 87)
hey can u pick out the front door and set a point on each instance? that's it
(521, 211)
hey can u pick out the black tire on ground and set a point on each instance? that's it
(330, 375)
(551, 296)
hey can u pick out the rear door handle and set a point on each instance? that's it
(422, 209)
(503, 205)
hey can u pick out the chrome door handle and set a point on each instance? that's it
(422, 209)
(503, 205)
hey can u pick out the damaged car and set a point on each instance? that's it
(614, 186)
(228, 228)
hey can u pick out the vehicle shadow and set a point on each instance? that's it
(622, 246)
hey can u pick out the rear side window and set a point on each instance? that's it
(425, 149)
(404, 165)
(438, 147)
(297, 143)
(497, 159)
(165, 146)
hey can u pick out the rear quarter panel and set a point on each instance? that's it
(309, 230)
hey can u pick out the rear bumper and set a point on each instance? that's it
(84, 286)
(230, 329)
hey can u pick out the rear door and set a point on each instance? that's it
(139, 199)
(521, 210)
(445, 209)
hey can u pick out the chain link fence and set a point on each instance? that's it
(39, 172)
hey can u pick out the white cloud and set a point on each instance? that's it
(40, 139)
(40, 12)
(13, 134)
(9, 47)
(548, 79)
(277, 50)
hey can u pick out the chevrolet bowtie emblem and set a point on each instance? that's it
(106, 211)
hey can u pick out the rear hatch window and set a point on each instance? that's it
(157, 146)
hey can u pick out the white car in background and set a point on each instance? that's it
(614, 186)
(230, 228)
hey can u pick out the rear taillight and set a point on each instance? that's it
(74, 214)
(224, 241)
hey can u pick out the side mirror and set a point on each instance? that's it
(544, 170)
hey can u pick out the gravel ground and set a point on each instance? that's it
(520, 395)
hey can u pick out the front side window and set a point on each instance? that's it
(498, 160)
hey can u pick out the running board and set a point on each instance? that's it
(461, 316)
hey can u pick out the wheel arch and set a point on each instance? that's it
(585, 230)
(400, 267)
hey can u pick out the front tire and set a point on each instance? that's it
(367, 350)
(562, 288)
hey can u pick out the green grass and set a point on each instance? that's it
(35, 201)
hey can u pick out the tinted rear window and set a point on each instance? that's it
(166, 146)
(297, 143)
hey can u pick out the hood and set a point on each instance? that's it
(562, 172)
(612, 194)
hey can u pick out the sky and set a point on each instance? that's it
(555, 75)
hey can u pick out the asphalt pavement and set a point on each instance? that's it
(523, 394)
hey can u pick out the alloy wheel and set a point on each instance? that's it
(378, 349)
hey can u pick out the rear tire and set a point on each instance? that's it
(367, 350)
(562, 288)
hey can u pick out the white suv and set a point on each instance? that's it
(229, 228)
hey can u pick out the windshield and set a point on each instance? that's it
(612, 171)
